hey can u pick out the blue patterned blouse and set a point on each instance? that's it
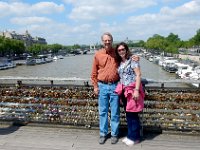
(126, 72)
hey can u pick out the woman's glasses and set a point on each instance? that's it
(121, 50)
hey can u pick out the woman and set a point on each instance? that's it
(131, 92)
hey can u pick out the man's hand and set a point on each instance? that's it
(135, 58)
(96, 91)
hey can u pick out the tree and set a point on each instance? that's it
(35, 49)
(18, 47)
(11, 47)
(196, 38)
(156, 43)
(141, 43)
(173, 42)
(172, 38)
(2, 46)
(55, 48)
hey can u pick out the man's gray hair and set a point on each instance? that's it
(108, 34)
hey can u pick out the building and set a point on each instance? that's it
(26, 37)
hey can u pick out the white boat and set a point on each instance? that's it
(48, 58)
(163, 59)
(60, 57)
(40, 59)
(156, 59)
(55, 58)
(170, 65)
(195, 85)
(2, 66)
(150, 58)
(10, 64)
(6, 63)
(182, 69)
(195, 75)
(184, 73)
(30, 60)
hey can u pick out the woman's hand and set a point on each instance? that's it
(135, 94)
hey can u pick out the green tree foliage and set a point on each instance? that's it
(169, 44)
(11, 47)
(18, 47)
(76, 46)
(173, 43)
(196, 39)
(141, 43)
(55, 48)
(157, 43)
(35, 49)
(172, 38)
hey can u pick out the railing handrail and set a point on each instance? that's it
(42, 78)
(145, 81)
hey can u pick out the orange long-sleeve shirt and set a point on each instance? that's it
(104, 67)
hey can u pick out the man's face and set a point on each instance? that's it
(107, 42)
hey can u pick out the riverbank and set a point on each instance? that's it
(190, 57)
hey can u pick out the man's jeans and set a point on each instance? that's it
(108, 96)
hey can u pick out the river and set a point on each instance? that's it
(80, 66)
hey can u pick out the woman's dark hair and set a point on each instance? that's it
(128, 53)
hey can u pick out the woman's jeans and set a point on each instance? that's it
(107, 97)
(133, 123)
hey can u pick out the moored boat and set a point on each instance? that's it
(30, 60)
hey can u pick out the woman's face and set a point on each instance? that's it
(121, 51)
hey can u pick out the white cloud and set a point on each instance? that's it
(24, 9)
(177, 20)
(170, 1)
(59, 32)
(47, 7)
(96, 9)
(188, 9)
(30, 20)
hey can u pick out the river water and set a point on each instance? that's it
(80, 66)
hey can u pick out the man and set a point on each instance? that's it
(104, 78)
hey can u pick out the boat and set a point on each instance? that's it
(169, 65)
(48, 58)
(162, 60)
(195, 75)
(183, 70)
(55, 58)
(40, 59)
(10, 64)
(6, 63)
(30, 61)
(2, 66)
(60, 57)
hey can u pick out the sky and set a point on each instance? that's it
(70, 22)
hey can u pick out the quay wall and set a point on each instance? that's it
(191, 57)
(171, 109)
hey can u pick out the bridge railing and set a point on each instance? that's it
(166, 108)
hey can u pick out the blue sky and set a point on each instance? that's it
(71, 22)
